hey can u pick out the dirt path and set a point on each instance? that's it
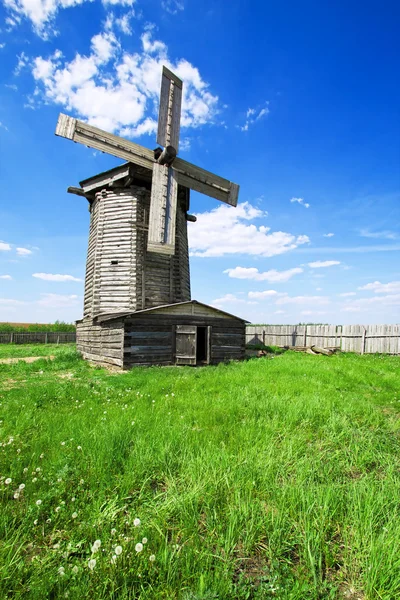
(27, 359)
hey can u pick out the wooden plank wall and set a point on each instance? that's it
(38, 337)
(367, 339)
(101, 344)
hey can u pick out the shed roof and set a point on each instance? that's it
(117, 315)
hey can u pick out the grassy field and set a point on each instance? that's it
(272, 478)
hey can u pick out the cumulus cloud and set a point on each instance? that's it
(116, 90)
(229, 299)
(227, 230)
(59, 300)
(272, 276)
(300, 201)
(320, 264)
(5, 277)
(347, 294)
(392, 287)
(375, 301)
(23, 251)
(315, 300)
(5, 247)
(253, 115)
(55, 277)
(41, 13)
(264, 295)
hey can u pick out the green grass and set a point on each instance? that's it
(271, 478)
(21, 350)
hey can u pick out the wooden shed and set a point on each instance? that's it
(184, 333)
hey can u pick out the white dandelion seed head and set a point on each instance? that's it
(61, 571)
(35, 522)
(74, 515)
(97, 543)
(79, 447)
(34, 480)
(41, 456)
(73, 499)
(113, 559)
(8, 481)
(21, 486)
(19, 450)
(63, 502)
(38, 502)
(144, 541)
(75, 570)
(118, 550)
(139, 547)
(152, 557)
(48, 521)
(62, 443)
(38, 469)
(25, 470)
(58, 508)
(59, 480)
(56, 546)
(136, 522)
(16, 495)
(92, 563)
(113, 531)
(81, 482)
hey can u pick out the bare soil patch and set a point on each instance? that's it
(27, 359)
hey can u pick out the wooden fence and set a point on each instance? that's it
(38, 337)
(362, 339)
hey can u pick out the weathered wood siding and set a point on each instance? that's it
(101, 344)
(367, 339)
(120, 274)
(150, 338)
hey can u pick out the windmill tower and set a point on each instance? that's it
(138, 256)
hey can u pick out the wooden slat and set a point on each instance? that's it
(163, 205)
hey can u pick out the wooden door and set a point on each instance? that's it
(185, 344)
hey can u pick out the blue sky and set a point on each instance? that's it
(296, 102)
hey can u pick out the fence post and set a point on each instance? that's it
(305, 335)
(363, 340)
(58, 339)
(263, 334)
(45, 338)
(11, 337)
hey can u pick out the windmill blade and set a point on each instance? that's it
(169, 116)
(163, 201)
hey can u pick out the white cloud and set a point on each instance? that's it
(375, 301)
(5, 247)
(225, 230)
(300, 201)
(347, 294)
(119, 91)
(253, 115)
(5, 302)
(184, 144)
(42, 13)
(328, 235)
(386, 235)
(392, 287)
(23, 61)
(5, 277)
(280, 312)
(263, 295)
(172, 6)
(229, 299)
(2, 126)
(23, 252)
(313, 312)
(59, 300)
(315, 300)
(55, 277)
(320, 264)
(272, 276)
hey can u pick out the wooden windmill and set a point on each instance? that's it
(138, 250)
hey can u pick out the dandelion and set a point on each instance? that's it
(139, 547)
(92, 563)
(113, 559)
(38, 470)
(35, 522)
(74, 515)
(144, 541)
(62, 443)
(25, 470)
(16, 495)
(133, 422)
(34, 480)
(59, 480)
(61, 571)
(48, 521)
(8, 481)
(97, 543)
(56, 546)
(118, 550)
(58, 508)
(81, 482)
(75, 570)
(73, 499)
(19, 450)
(21, 486)
(41, 456)
(113, 531)
(79, 447)
(38, 502)
(136, 522)
(152, 557)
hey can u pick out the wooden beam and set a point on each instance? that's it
(188, 175)
(75, 190)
